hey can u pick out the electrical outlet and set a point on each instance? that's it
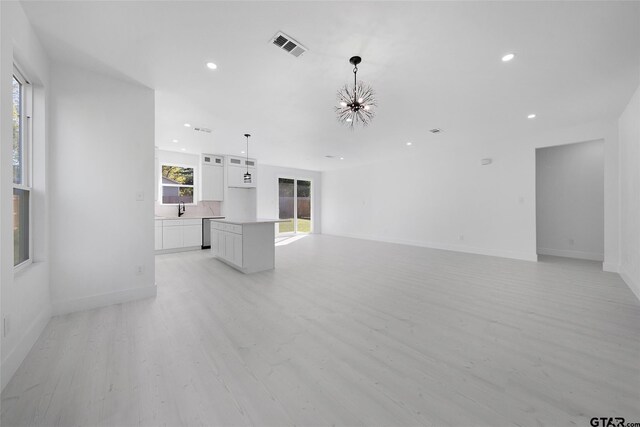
(139, 269)
(139, 196)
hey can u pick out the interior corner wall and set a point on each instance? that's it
(570, 200)
(268, 191)
(102, 160)
(629, 135)
(440, 196)
(25, 299)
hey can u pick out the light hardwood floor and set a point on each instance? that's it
(344, 332)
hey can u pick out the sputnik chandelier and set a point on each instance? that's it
(357, 102)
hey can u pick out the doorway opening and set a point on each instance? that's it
(570, 200)
(294, 205)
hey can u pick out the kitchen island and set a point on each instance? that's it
(247, 246)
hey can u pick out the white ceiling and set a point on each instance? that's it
(432, 64)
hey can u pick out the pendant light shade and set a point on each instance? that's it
(247, 175)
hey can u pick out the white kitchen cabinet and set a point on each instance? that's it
(226, 242)
(172, 237)
(178, 233)
(237, 249)
(220, 242)
(236, 168)
(214, 242)
(158, 235)
(212, 177)
(248, 246)
(229, 249)
(191, 235)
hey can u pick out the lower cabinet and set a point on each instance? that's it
(172, 237)
(247, 247)
(192, 235)
(227, 244)
(158, 238)
(178, 233)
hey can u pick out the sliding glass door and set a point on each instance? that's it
(294, 205)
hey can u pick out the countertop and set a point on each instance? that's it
(251, 221)
(189, 217)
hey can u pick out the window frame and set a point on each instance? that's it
(194, 186)
(26, 132)
(295, 205)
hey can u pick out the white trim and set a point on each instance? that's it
(14, 359)
(295, 205)
(175, 250)
(610, 267)
(17, 269)
(102, 300)
(571, 254)
(635, 287)
(523, 256)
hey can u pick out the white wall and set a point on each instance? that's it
(629, 131)
(570, 200)
(102, 155)
(438, 195)
(25, 301)
(268, 195)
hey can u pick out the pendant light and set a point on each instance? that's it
(357, 102)
(247, 176)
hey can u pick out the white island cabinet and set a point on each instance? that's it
(248, 246)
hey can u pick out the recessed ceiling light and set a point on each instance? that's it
(183, 149)
(531, 116)
(409, 143)
(242, 152)
(508, 57)
(175, 140)
(187, 125)
(341, 158)
(211, 66)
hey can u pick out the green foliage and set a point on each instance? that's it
(178, 174)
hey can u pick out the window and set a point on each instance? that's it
(177, 184)
(21, 163)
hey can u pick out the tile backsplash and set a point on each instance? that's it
(199, 210)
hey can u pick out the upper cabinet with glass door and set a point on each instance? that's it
(237, 167)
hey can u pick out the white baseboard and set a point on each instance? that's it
(571, 254)
(633, 285)
(176, 250)
(102, 300)
(610, 267)
(14, 359)
(447, 247)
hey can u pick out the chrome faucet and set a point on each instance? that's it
(180, 209)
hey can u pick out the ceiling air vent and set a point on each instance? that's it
(288, 44)
(435, 130)
(205, 130)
